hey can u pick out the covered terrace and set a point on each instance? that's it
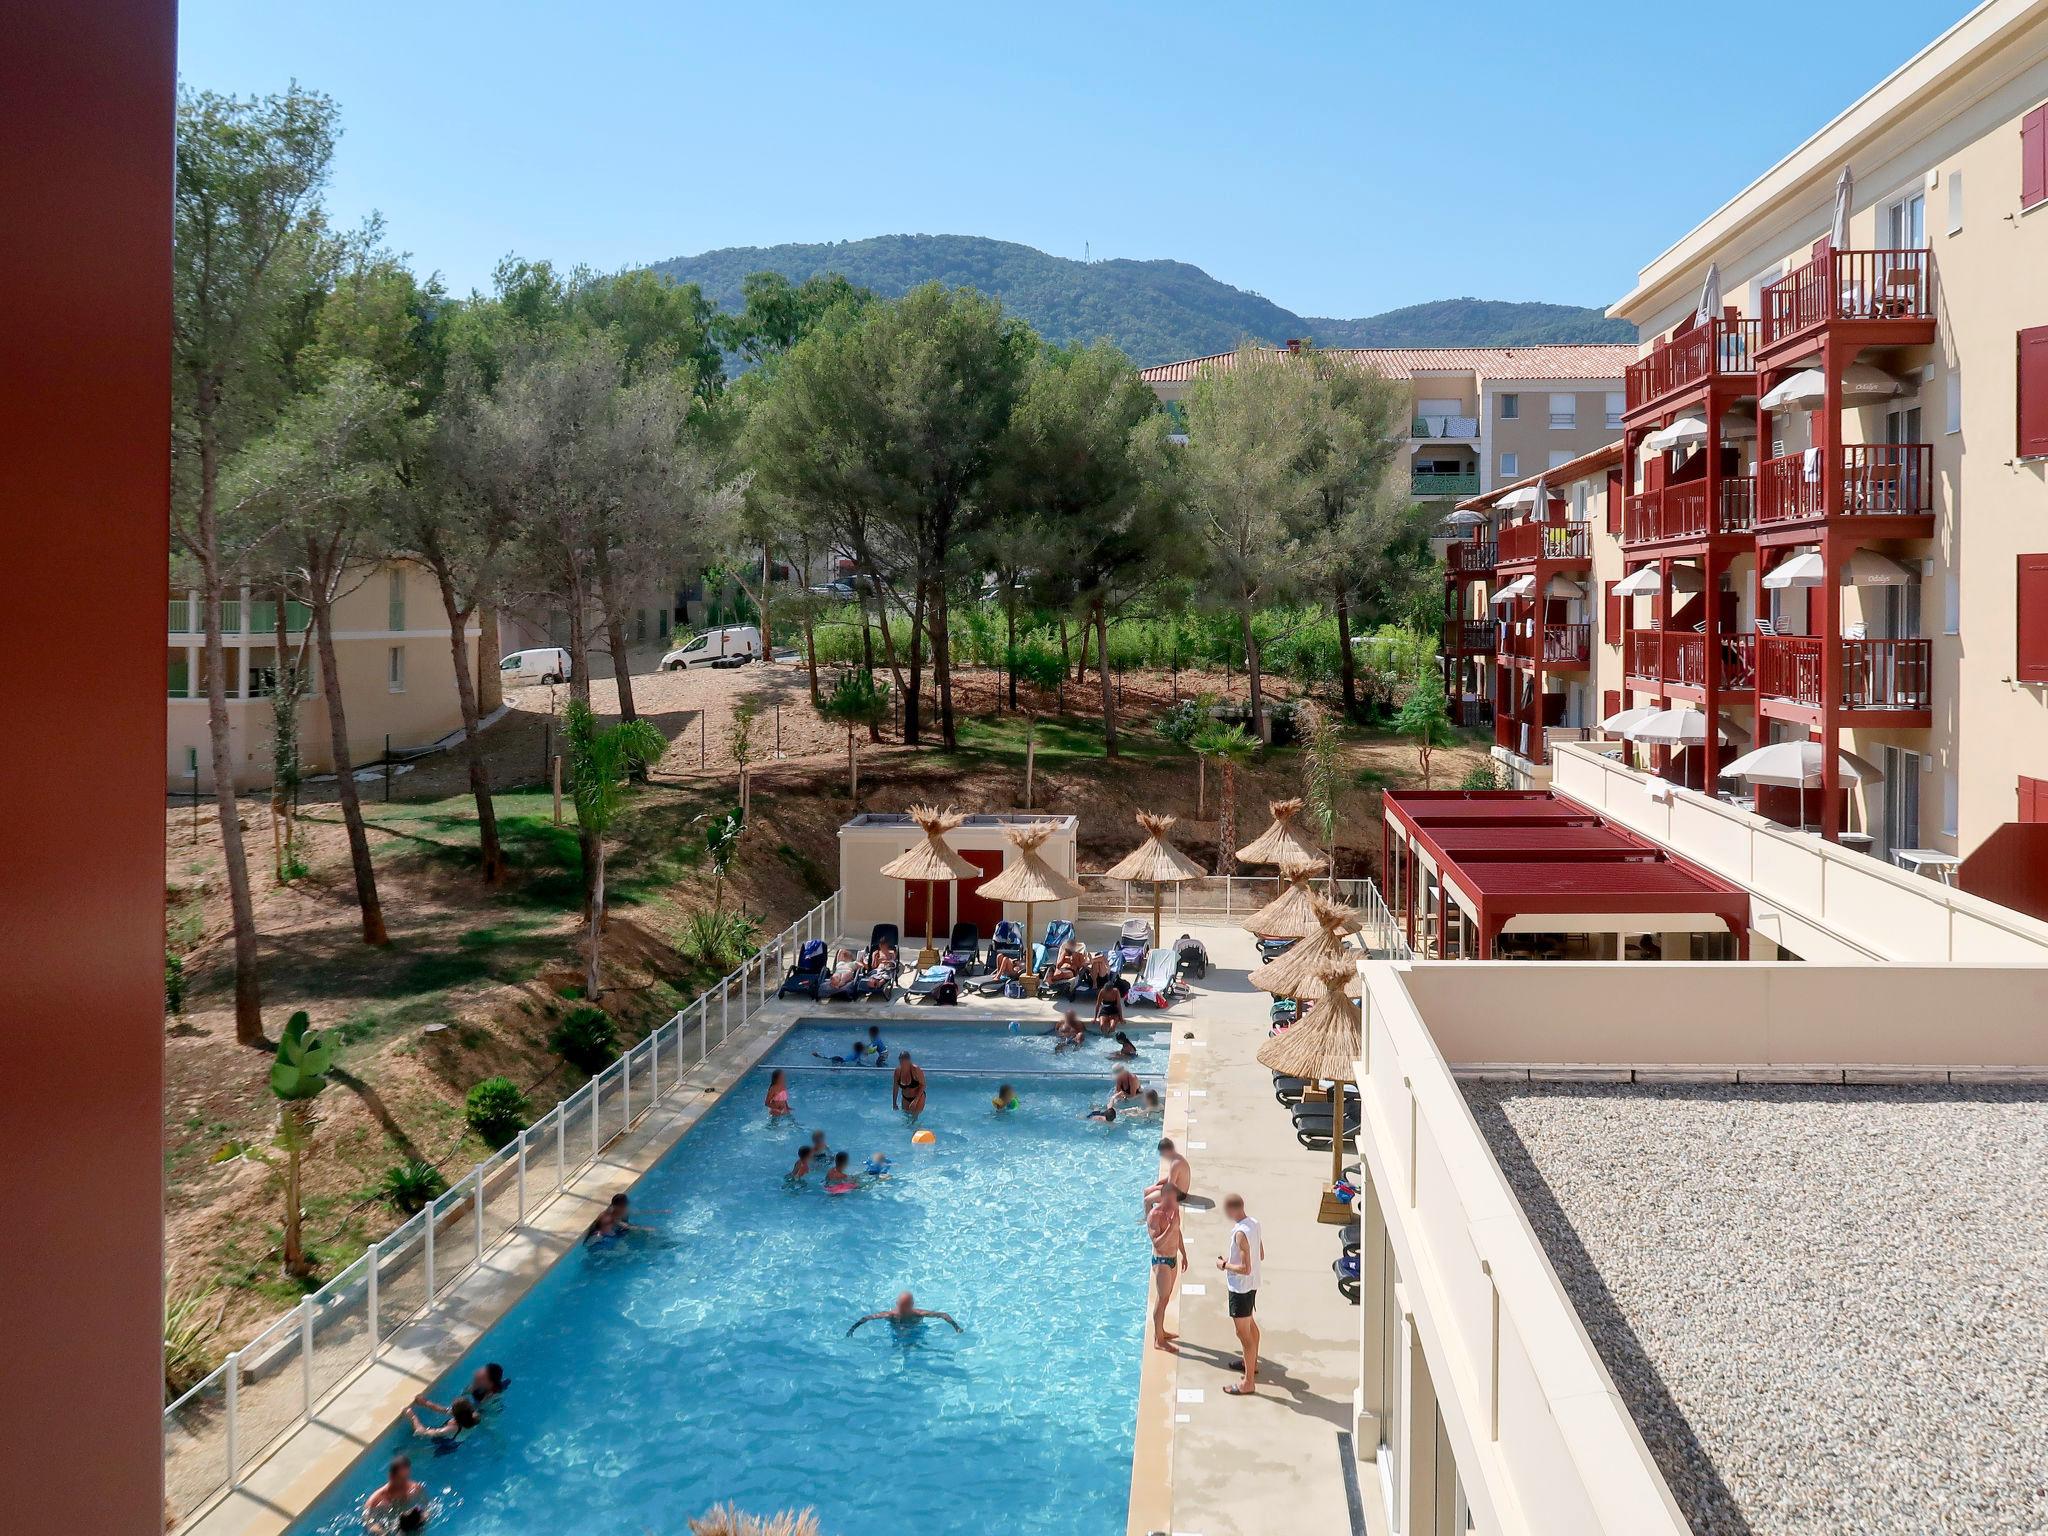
(1502, 874)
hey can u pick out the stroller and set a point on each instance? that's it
(963, 949)
(1132, 943)
(1191, 957)
(1158, 984)
(1057, 936)
(808, 974)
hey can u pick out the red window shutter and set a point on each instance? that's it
(1615, 493)
(1610, 617)
(2033, 392)
(2033, 799)
(1610, 704)
(2031, 630)
(2034, 157)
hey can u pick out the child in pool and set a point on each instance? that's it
(776, 1101)
(821, 1154)
(1006, 1098)
(840, 1180)
(878, 1165)
(802, 1170)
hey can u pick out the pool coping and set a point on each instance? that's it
(289, 1476)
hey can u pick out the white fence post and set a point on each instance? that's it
(596, 1102)
(431, 1204)
(477, 1178)
(654, 1070)
(703, 1026)
(373, 1258)
(561, 1149)
(306, 1353)
(232, 1366)
(724, 1009)
(522, 1177)
(626, 1087)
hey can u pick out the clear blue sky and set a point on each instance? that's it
(1340, 158)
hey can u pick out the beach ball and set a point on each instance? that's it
(922, 1138)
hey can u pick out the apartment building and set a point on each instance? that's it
(390, 647)
(1483, 416)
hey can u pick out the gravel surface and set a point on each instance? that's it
(1826, 1307)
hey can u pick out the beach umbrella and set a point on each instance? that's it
(1644, 583)
(931, 860)
(1155, 860)
(1562, 586)
(1282, 842)
(1291, 914)
(1521, 586)
(1626, 721)
(1028, 879)
(1806, 390)
(1682, 433)
(1465, 517)
(1709, 307)
(1682, 727)
(1845, 193)
(1325, 1047)
(1797, 765)
(1863, 568)
(1294, 973)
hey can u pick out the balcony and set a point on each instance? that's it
(1883, 288)
(1470, 636)
(1457, 428)
(1679, 658)
(1471, 557)
(1547, 541)
(1721, 348)
(181, 617)
(1567, 645)
(1876, 674)
(1427, 483)
(1681, 511)
(1878, 480)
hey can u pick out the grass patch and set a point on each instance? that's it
(1059, 739)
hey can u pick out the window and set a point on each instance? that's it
(1564, 410)
(1510, 466)
(661, 623)
(397, 624)
(639, 625)
(1560, 456)
(2031, 626)
(2034, 157)
(1510, 407)
(1901, 800)
(1955, 401)
(2033, 392)
(262, 671)
(398, 669)
(1905, 222)
(1955, 202)
(1615, 405)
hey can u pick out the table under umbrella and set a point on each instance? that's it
(1028, 879)
(1155, 860)
(1324, 1048)
(931, 860)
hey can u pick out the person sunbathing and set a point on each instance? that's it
(1068, 965)
(844, 970)
(1007, 966)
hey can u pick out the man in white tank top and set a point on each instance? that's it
(1240, 1266)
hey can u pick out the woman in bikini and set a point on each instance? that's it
(777, 1100)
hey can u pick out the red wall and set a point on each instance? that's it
(86, 123)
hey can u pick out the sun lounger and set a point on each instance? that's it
(937, 984)
(963, 949)
(1058, 935)
(1132, 945)
(1159, 983)
(808, 974)
(1273, 949)
(1008, 939)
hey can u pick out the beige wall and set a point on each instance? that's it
(867, 896)
(423, 711)
(1530, 436)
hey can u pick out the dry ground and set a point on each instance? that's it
(473, 978)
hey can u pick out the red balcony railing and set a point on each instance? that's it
(1722, 346)
(1876, 674)
(1567, 644)
(1673, 656)
(1848, 285)
(1470, 557)
(1551, 541)
(1680, 511)
(1878, 480)
(1470, 635)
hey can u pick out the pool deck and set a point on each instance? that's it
(1204, 1464)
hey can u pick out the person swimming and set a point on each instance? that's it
(462, 1415)
(840, 1180)
(611, 1222)
(776, 1100)
(1125, 1051)
(400, 1498)
(905, 1314)
(1006, 1098)
(1106, 1113)
(878, 1165)
(802, 1170)
(1127, 1089)
(821, 1154)
(485, 1383)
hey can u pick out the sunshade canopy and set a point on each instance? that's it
(1845, 194)
(1521, 586)
(1561, 585)
(1621, 724)
(1863, 568)
(1291, 914)
(1527, 496)
(1324, 1047)
(931, 859)
(1294, 973)
(1465, 517)
(1649, 581)
(1682, 432)
(1028, 878)
(1155, 860)
(1797, 765)
(1682, 727)
(1282, 842)
(1807, 389)
(1709, 306)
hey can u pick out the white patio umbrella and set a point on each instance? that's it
(1845, 193)
(1644, 583)
(1527, 496)
(1465, 517)
(1682, 433)
(1683, 727)
(1628, 719)
(1562, 586)
(1863, 568)
(1797, 765)
(1519, 587)
(1710, 295)
(1806, 390)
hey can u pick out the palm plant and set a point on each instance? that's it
(297, 1077)
(600, 761)
(1230, 745)
(1319, 787)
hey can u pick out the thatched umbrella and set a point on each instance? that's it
(1298, 973)
(1156, 860)
(1291, 914)
(1282, 842)
(1324, 1048)
(931, 860)
(1029, 879)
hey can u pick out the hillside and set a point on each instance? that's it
(1155, 310)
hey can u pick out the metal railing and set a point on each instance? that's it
(1462, 427)
(1876, 674)
(1471, 556)
(1438, 482)
(1382, 933)
(1680, 511)
(273, 1384)
(1549, 541)
(1210, 896)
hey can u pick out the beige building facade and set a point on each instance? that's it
(1483, 416)
(392, 650)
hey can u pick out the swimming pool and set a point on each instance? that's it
(710, 1361)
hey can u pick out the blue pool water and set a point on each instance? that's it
(710, 1361)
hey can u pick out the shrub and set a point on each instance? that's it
(174, 985)
(1486, 776)
(495, 1110)
(586, 1040)
(720, 940)
(409, 1185)
(186, 1331)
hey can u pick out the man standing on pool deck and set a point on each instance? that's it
(906, 1088)
(904, 1314)
(1240, 1268)
(1169, 1257)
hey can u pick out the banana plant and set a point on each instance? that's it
(297, 1077)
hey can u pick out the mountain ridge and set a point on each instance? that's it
(1158, 310)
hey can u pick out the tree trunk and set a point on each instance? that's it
(280, 804)
(593, 985)
(913, 698)
(242, 906)
(579, 689)
(492, 856)
(344, 767)
(1108, 684)
(1251, 671)
(615, 636)
(294, 1214)
(853, 767)
(1347, 665)
(942, 663)
(490, 683)
(1010, 643)
(1226, 821)
(767, 623)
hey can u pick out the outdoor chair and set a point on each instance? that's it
(807, 976)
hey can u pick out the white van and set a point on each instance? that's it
(548, 664)
(733, 646)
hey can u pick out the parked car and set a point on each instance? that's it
(547, 664)
(733, 646)
(839, 591)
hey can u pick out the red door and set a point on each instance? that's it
(925, 914)
(976, 908)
